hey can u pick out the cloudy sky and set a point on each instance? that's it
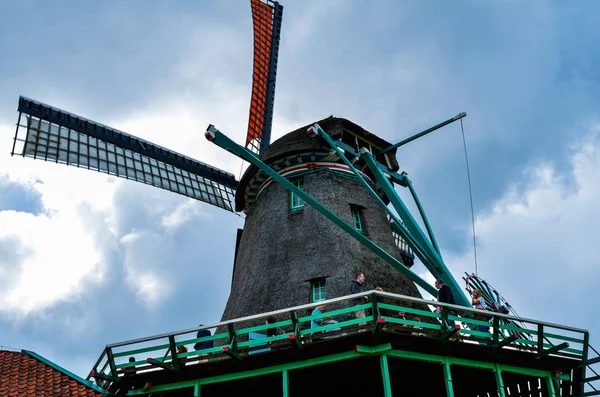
(86, 259)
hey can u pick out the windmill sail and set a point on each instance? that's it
(266, 18)
(51, 134)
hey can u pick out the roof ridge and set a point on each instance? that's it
(65, 371)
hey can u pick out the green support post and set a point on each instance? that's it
(286, 382)
(432, 261)
(232, 349)
(196, 390)
(111, 362)
(295, 337)
(220, 139)
(584, 360)
(174, 358)
(385, 374)
(550, 385)
(496, 334)
(499, 381)
(448, 379)
(540, 338)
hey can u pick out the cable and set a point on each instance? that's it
(470, 193)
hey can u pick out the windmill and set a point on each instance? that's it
(47, 133)
(299, 229)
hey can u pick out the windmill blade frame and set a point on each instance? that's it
(52, 134)
(266, 21)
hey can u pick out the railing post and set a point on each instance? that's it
(374, 308)
(173, 348)
(197, 389)
(540, 340)
(111, 361)
(496, 325)
(385, 374)
(444, 313)
(584, 359)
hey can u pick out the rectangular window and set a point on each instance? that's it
(317, 288)
(357, 218)
(296, 203)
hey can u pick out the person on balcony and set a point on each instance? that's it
(479, 304)
(275, 330)
(205, 344)
(317, 322)
(356, 287)
(180, 350)
(445, 296)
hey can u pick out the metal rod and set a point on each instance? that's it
(423, 133)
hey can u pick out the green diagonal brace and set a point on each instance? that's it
(411, 238)
(432, 261)
(220, 139)
(423, 216)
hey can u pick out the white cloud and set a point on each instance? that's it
(538, 244)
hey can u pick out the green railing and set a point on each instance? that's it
(383, 313)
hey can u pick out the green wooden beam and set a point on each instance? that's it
(423, 133)
(360, 351)
(552, 350)
(158, 363)
(423, 216)
(220, 139)
(373, 350)
(385, 374)
(506, 341)
(499, 381)
(448, 379)
(378, 327)
(286, 382)
(422, 247)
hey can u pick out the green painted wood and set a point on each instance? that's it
(385, 374)
(260, 341)
(499, 381)
(341, 324)
(426, 313)
(203, 339)
(263, 327)
(423, 325)
(550, 384)
(401, 354)
(286, 383)
(448, 379)
(141, 350)
(333, 313)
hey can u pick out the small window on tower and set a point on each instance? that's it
(296, 202)
(357, 218)
(317, 290)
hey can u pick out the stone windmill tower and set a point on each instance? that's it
(289, 254)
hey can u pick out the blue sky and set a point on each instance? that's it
(84, 261)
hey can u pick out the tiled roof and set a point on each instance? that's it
(24, 375)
